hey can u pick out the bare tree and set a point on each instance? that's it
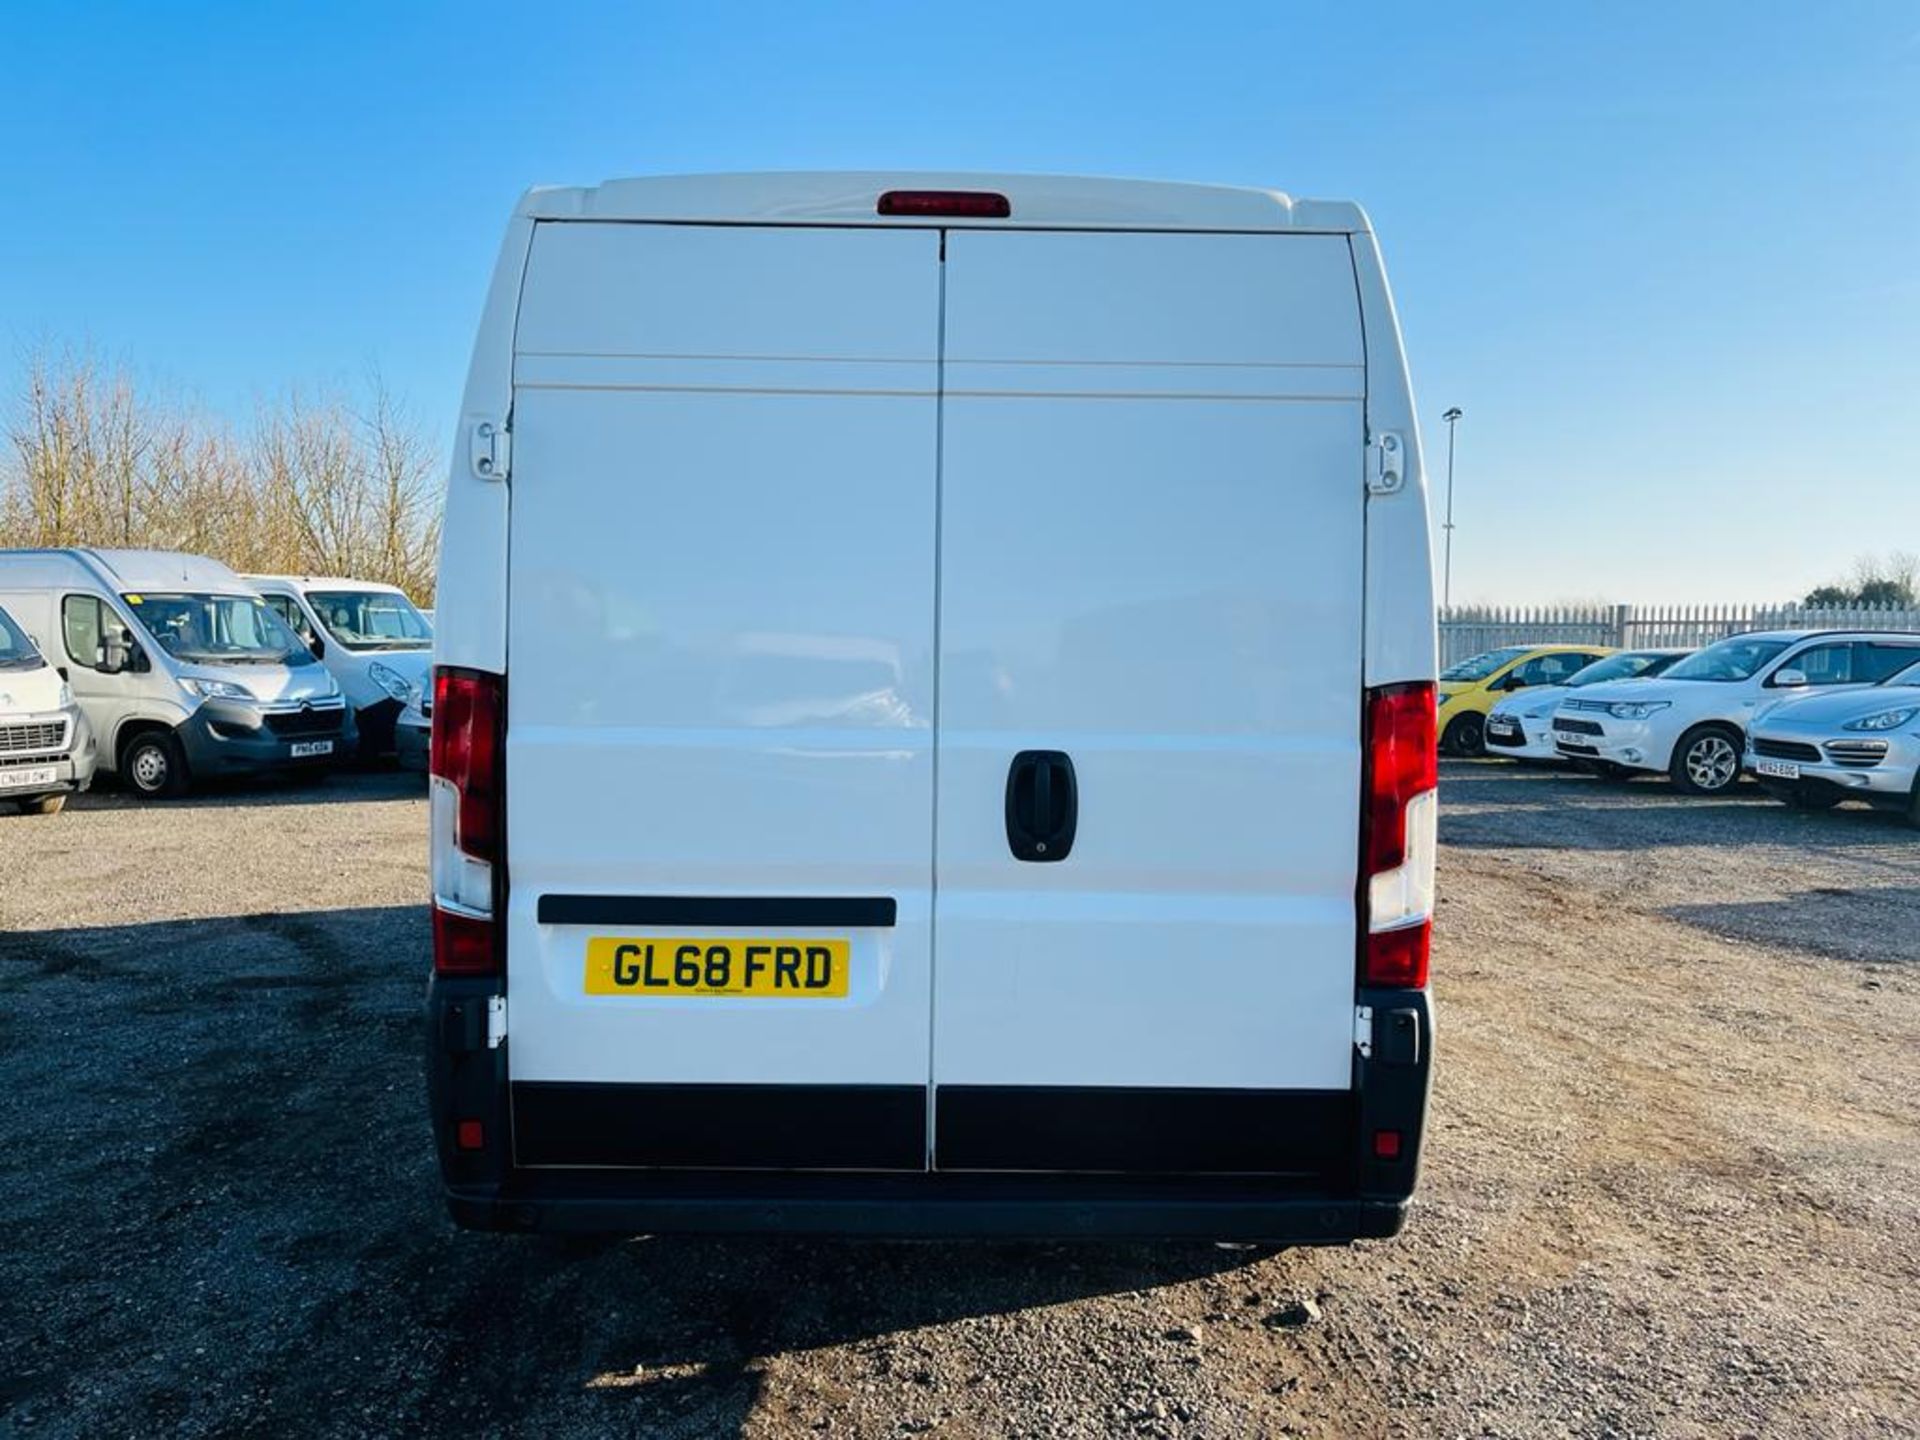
(317, 486)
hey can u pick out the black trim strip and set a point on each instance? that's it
(763, 1127)
(814, 911)
(1130, 1130)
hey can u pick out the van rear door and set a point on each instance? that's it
(1151, 580)
(721, 696)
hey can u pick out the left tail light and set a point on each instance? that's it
(466, 793)
(1399, 835)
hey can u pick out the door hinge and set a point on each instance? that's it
(490, 449)
(496, 1021)
(1387, 463)
(1363, 1030)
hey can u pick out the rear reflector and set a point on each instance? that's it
(464, 944)
(1386, 1144)
(968, 204)
(470, 1135)
(1397, 959)
(1399, 835)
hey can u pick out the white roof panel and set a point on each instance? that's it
(850, 198)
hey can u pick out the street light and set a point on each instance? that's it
(1452, 417)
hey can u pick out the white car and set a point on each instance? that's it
(832, 561)
(1520, 726)
(1692, 721)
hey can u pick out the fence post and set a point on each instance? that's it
(1620, 623)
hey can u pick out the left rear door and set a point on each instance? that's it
(720, 691)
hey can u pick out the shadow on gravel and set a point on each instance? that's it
(223, 1218)
(1504, 806)
(1869, 924)
(352, 784)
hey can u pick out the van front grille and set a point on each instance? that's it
(306, 722)
(48, 735)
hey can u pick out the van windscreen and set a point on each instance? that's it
(17, 651)
(371, 619)
(218, 629)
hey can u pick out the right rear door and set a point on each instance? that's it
(1151, 542)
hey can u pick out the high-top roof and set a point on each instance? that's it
(850, 198)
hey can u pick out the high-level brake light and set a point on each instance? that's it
(465, 793)
(962, 204)
(1399, 834)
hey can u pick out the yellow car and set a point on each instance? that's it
(1468, 690)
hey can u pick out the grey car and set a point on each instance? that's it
(1817, 751)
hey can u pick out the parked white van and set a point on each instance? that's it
(181, 668)
(370, 636)
(46, 745)
(996, 615)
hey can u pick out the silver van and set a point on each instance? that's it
(181, 669)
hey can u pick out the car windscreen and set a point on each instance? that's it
(1481, 666)
(1730, 660)
(371, 619)
(17, 650)
(218, 629)
(1627, 665)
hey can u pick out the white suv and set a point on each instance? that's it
(1692, 721)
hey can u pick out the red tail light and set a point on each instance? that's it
(467, 790)
(1403, 760)
(1397, 837)
(969, 204)
(464, 751)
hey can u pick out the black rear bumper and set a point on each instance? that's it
(1003, 1207)
(1278, 1167)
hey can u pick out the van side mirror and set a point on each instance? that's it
(110, 655)
(1789, 677)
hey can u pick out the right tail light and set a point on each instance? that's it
(466, 793)
(1399, 834)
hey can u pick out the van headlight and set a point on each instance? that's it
(217, 689)
(64, 700)
(391, 681)
(1637, 709)
(1885, 720)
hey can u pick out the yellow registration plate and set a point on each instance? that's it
(683, 965)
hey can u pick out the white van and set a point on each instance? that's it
(181, 668)
(996, 615)
(369, 635)
(46, 745)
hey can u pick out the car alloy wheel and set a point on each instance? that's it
(1712, 762)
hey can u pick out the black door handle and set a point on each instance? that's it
(1043, 805)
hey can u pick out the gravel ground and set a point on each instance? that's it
(1673, 1183)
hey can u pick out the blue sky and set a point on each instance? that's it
(1666, 257)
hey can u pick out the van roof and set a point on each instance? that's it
(850, 197)
(135, 570)
(326, 582)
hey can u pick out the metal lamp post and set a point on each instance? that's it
(1452, 417)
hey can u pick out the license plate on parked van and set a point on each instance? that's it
(1778, 769)
(688, 965)
(33, 775)
(301, 749)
